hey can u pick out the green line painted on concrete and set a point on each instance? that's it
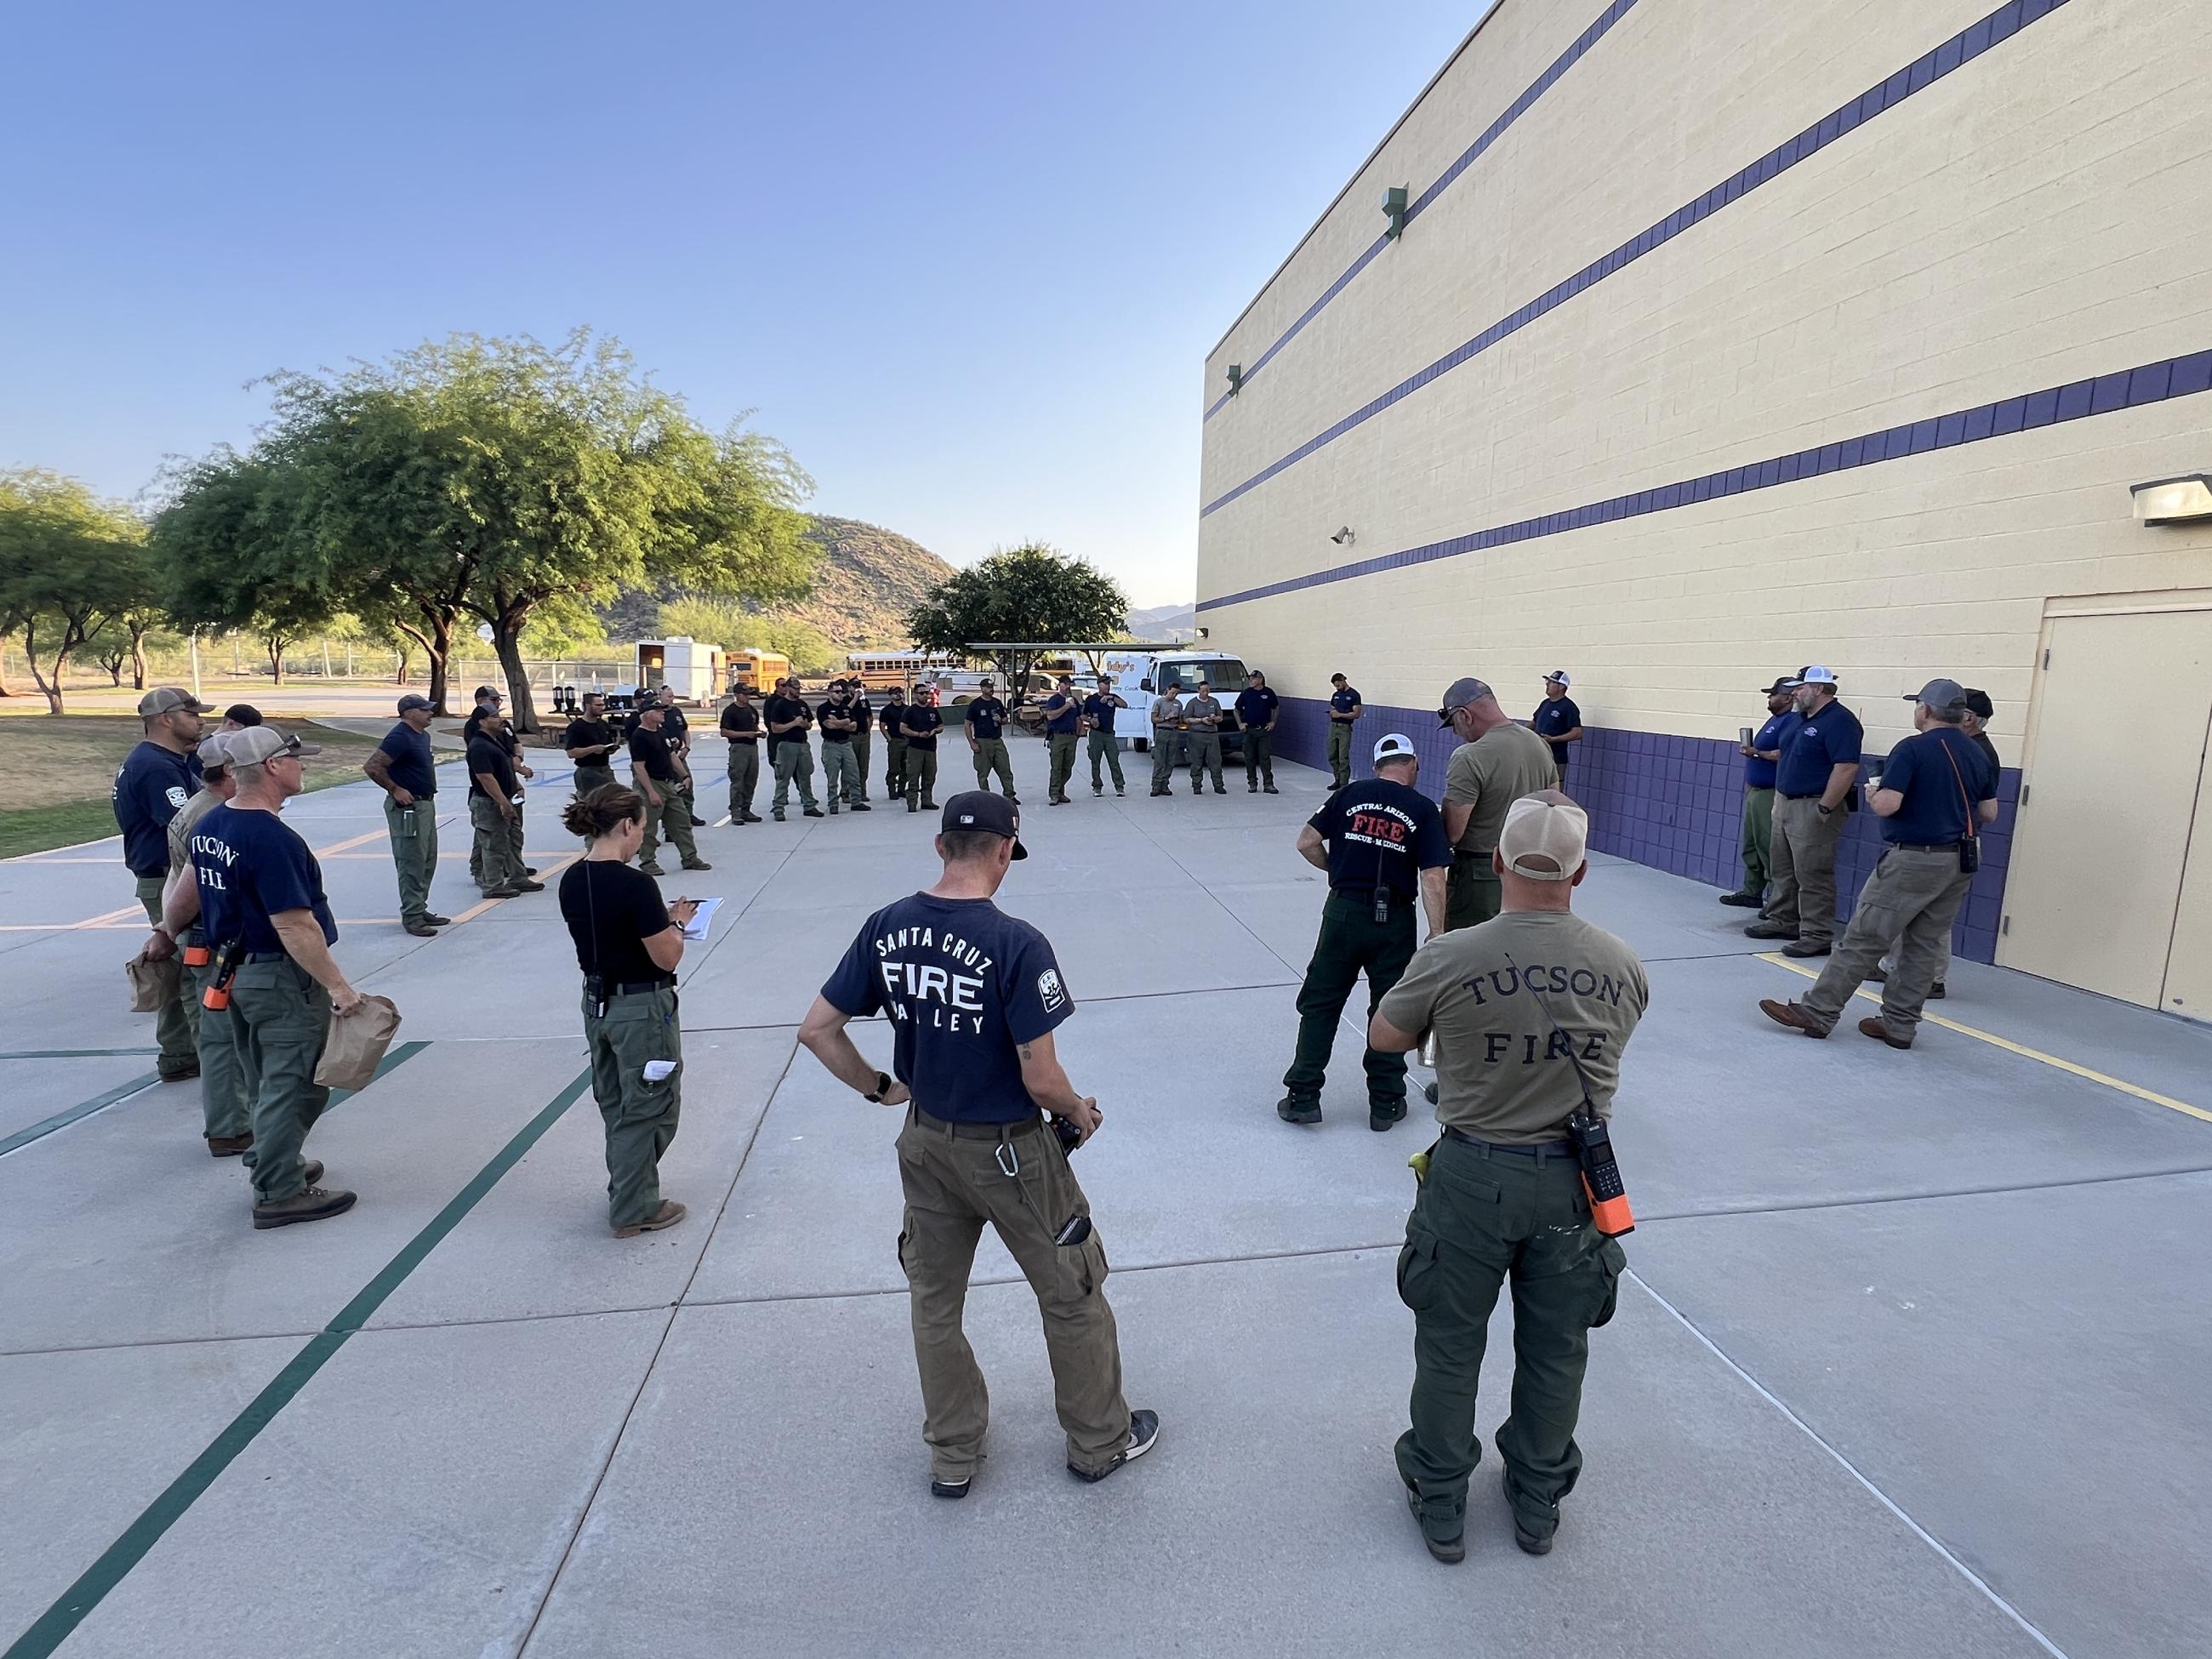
(74, 1054)
(23, 1138)
(393, 1058)
(56, 1625)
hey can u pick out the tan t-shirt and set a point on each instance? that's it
(1491, 774)
(181, 827)
(1503, 1072)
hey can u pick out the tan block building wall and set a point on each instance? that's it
(2031, 218)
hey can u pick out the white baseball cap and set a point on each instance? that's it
(1561, 676)
(1397, 745)
(1546, 837)
(1816, 675)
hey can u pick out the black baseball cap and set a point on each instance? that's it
(1978, 704)
(979, 808)
(1783, 683)
(243, 714)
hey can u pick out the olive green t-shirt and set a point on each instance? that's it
(1491, 774)
(1503, 1073)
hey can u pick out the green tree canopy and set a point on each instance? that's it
(71, 565)
(1032, 593)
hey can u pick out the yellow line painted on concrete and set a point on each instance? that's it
(2010, 1047)
(348, 846)
(483, 905)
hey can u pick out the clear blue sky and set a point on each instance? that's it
(965, 260)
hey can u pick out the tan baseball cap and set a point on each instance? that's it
(257, 744)
(167, 699)
(214, 750)
(1546, 837)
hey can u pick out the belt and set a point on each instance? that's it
(1547, 1148)
(665, 982)
(1786, 795)
(265, 956)
(977, 1131)
(1924, 845)
(1458, 854)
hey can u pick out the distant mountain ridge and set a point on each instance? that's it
(1165, 622)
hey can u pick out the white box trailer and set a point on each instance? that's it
(694, 668)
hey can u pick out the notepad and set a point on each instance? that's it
(701, 919)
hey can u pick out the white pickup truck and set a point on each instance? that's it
(1140, 677)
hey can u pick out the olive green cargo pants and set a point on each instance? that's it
(590, 777)
(795, 764)
(638, 1028)
(954, 1179)
(1063, 745)
(494, 844)
(1352, 942)
(414, 852)
(920, 777)
(282, 1017)
(1259, 758)
(862, 743)
(1482, 1217)
(991, 755)
(1339, 753)
(1473, 893)
(840, 773)
(226, 1082)
(176, 1023)
(1758, 838)
(673, 818)
(1107, 748)
(1167, 755)
(744, 779)
(1205, 751)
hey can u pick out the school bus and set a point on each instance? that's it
(757, 671)
(879, 670)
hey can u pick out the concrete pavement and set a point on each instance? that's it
(1911, 1362)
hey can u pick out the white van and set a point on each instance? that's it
(1139, 676)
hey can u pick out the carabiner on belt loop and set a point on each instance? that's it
(1010, 1163)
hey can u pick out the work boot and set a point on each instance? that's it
(928, 805)
(696, 864)
(183, 1071)
(1293, 1108)
(1870, 1026)
(1789, 1014)
(529, 869)
(1936, 991)
(1098, 789)
(1218, 790)
(437, 921)
(913, 806)
(312, 1204)
(859, 806)
(1450, 1550)
(941, 1487)
(752, 816)
(1162, 792)
(311, 1170)
(1769, 930)
(1531, 1543)
(1804, 947)
(228, 1145)
(1746, 901)
(1144, 1432)
(516, 892)
(1269, 789)
(1251, 788)
(810, 812)
(1385, 1115)
(529, 886)
(421, 930)
(1119, 791)
(667, 1215)
(650, 870)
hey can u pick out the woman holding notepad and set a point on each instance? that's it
(627, 944)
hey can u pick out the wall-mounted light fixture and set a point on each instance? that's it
(1205, 633)
(2174, 501)
(1343, 537)
(1393, 209)
(1236, 378)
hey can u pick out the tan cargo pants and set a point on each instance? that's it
(956, 1179)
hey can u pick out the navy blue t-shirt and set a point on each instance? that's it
(987, 719)
(1934, 809)
(1101, 708)
(413, 768)
(963, 983)
(1381, 832)
(1825, 740)
(1343, 702)
(152, 787)
(1255, 706)
(921, 723)
(1759, 773)
(1555, 715)
(1062, 711)
(251, 866)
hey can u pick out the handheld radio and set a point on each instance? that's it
(1601, 1183)
(216, 997)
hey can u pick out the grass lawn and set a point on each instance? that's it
(62, 769)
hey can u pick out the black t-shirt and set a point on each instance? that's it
(782, 709)
(830, 710)
(673, 725)
(963, 983)
(863, 717)
(1376, 828)
(1555, 715)
(987, 719)
(893, 715)
(921, 723)
(487, 754)
(627, 908)
(583, 734)
(741, 724)
(1981, 741)
(653, 750)
(472, 725)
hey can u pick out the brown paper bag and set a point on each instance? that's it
(356, 1045)
(153, 985)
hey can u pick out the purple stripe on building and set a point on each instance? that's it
(1674, 803)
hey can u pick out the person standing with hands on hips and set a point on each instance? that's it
(1257, 709)
(263, 912)
(628, 944)
(404, 767)
(973, 997)
(1557, 721)
(1813, 793)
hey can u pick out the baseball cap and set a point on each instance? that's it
(242, 714)
(413, 700)
(979, 808)
(167, 699)
(1540, 829)
(1783, 683)
(257, 744)
(484, 692)
(213, 751)
(1944, 696)
(1393, 746)
(1461, 693)
(1813, 674)
(1979, 706)
(1335, 679)
(1561, 676)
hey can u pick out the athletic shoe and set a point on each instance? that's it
(951, 1488)
(1144, 1432)
(312, 1204)
(667, 1215)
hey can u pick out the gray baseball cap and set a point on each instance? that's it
(1944, 696)
(413, 700)
(166, 699)
(257, 744)
(1462, 692)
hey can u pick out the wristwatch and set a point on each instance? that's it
(1827, 811)
(883, 1087)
